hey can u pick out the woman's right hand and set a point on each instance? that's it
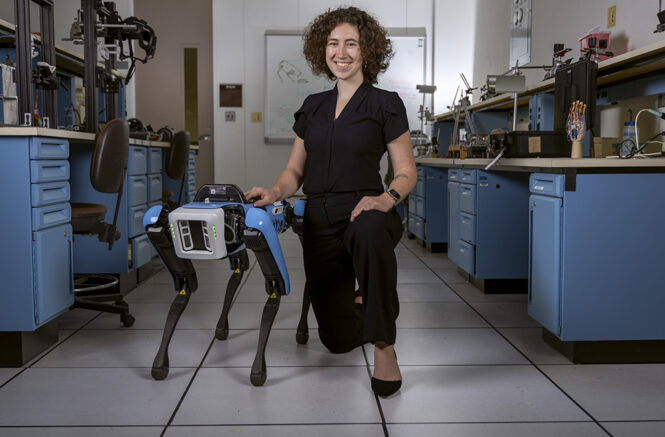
(262, 196)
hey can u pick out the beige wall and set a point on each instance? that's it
(160, 88)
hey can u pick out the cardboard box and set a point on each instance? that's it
(603, 147)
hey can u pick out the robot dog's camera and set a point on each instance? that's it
(198, 232)
(206, 230)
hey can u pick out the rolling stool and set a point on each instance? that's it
(108, 169)
(175, 164)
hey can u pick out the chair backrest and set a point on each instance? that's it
(109, 159)
(177, 156)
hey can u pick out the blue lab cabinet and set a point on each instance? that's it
(428, 215)
(37, 234)
(593, 258)
(488, 222)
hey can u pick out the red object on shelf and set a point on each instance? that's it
(602, 42)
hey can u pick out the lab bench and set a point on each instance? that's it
(587, 234)
(43, 171)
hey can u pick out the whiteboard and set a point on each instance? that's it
(288, 78)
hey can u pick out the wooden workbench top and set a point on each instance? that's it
(74, 136)
(527, 164)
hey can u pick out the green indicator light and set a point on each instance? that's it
(214, 231)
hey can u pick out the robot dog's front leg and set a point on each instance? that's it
(182, 271)
(239, 264)
(261, 237)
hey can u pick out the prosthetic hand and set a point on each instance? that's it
(221, 223)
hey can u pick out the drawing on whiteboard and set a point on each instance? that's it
(285, 68)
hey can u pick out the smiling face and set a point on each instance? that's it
(343, 52)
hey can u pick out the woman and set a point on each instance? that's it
(351, 227)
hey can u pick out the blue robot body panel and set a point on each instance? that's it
(262, 221)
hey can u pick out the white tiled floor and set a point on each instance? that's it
(473, 365)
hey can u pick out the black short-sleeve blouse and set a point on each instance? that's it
(344, 155)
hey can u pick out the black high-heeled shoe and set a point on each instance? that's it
(385, 388)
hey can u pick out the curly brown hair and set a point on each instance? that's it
(375, 47)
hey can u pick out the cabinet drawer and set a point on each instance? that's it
(468, 176)
(48, 171)
(191, 181)
(138, 160)
(191, 195)
(135, 220)
(137, 190)
(154, 187)
(141, 251)
(547, 184)
(453, 174)
(52, 192)
(467, 227)
(412, 204)
(51, 215)
(420, 182)
(416, 226)
(420, 207)
(465, 252)
(53, 282)
(467, 198)
(48, 148)
(154, 160)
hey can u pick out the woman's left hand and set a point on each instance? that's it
(382, 202)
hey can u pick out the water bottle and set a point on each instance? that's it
(629, 142)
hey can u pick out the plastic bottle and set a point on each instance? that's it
(629, 142)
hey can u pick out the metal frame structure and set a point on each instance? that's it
(24, 59)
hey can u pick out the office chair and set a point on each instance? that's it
(108, 169)
(175, 164)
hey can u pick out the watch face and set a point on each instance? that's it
(394, 194)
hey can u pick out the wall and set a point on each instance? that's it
(160, 98)
(241, 157)
(454, 42)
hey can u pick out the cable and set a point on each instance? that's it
(634, 150)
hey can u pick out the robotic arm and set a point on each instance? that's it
(219, 224)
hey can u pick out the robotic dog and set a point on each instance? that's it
(222, 223)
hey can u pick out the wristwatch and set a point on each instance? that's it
(395, 195)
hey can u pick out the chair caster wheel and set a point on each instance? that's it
(258, 379)
(222, 334)
(159, 373)
(302, 337)
(127, 320)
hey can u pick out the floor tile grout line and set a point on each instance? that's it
(184, 394)
(517, 349)
(378, 401)
(58, 343)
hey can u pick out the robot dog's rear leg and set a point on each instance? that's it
(259, 372)
(302, 333)
(160, 367)
(239, 265)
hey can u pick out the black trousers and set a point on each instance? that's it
(336, 252)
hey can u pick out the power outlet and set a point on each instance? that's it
(230, 116)
(611, 16)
